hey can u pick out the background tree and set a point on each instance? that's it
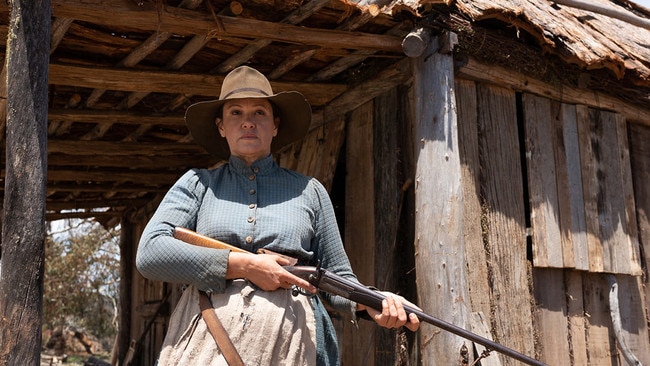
(81, 282)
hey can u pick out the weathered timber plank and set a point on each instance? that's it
(173, 82)
(389, 78)
(570, 188)
(122, 148)
(474, 70)
(502, 189)
(614, 193)
(590, 189)
(640, 161)
(632, 256)
(110, 116)
(439, 242)
(632, 312)
(562, 184)
(601, 344)
(391, 349)
(479, 325)
(542, 186)
(477, 276)
(118, 13)
(550, 316)
(576, 317)
(359, 348)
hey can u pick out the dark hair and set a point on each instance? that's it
(276, 111)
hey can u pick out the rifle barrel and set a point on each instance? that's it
(490, 345)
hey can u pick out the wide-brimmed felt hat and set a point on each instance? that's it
(245, 82)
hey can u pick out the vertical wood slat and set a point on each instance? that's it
(502, 189)
(612, 234)
(477, 276)
(640, 159)
(439, 242)
(550, 316)
(358, 344)
(387, 199)
(573, 224)
(576, 317)
(633, 308)
(564, 204)
(540, 153)
(631, 259)
(317, 153)
(601, 345)
(589, 189)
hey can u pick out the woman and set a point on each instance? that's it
(252, 203)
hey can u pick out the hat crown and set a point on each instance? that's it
(245, 82)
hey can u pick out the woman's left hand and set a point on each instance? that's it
(393, 314)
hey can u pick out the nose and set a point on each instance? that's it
(248, 123)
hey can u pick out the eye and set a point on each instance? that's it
(234, 112)
(260, 112)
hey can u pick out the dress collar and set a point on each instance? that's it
(262, 166)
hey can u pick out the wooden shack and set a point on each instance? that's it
(488, 160)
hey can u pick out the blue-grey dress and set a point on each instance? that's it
(251, 207)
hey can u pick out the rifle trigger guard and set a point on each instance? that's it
(295, 291)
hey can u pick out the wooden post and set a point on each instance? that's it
(439, 243)
(127, 264)
(23, 234)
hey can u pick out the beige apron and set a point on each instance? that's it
(267, 328)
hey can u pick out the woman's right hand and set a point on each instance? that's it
(265, 271)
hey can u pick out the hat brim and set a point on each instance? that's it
(292, 108)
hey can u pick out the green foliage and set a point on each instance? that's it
(81, 282)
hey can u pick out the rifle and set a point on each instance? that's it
(332, 283)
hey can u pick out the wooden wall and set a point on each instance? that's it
(550, 186)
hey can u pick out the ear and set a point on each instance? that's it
(276, 125)
(219, 124)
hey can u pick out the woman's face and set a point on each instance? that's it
(249, 127)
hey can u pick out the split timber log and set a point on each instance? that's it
(23, 216)
(189, 22)
(439, 245)
(173, 82)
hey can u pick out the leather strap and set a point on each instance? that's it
(218, 332)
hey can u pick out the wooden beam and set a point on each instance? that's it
(496, 75)
(103, 188)
(135, 161)
(116, 13)
(52, 216)
(173, 82)
(110, 116)
(142, 177)
(91, 204)
(123, 148)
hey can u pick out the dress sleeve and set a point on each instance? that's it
(162, 257)
(329, 247)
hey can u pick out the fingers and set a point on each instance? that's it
(393, 314)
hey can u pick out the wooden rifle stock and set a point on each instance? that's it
(192, 237)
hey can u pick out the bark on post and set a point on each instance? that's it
(23, 234)
(439, 243)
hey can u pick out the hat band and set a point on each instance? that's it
(241, 90)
